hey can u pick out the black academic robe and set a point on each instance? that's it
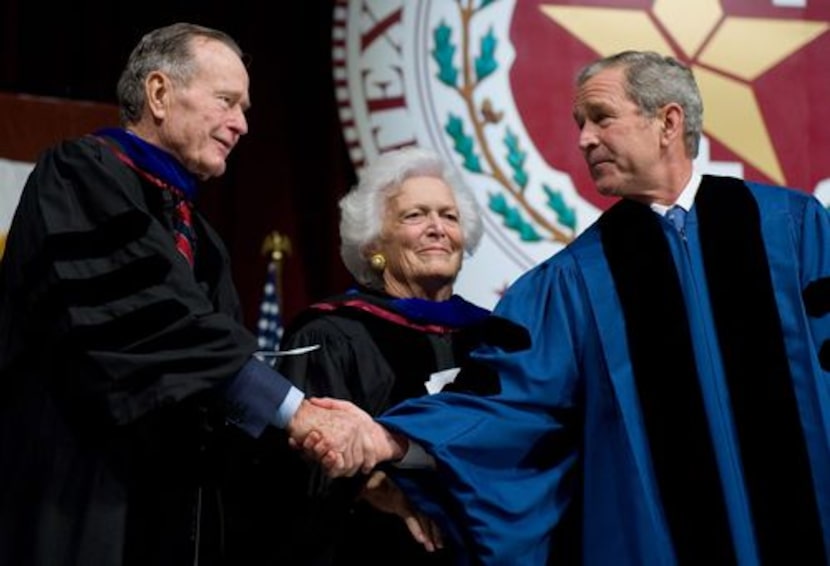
(113, 351)
(374, 354)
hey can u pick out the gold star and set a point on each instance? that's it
(726, 54)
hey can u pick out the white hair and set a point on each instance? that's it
(362, 210)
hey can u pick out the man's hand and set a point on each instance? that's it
(382, 493)
(342, 437)
(343, 430)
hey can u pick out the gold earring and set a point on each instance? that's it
(378, 262)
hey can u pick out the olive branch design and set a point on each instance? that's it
(518, 213)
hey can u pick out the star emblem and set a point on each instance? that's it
(726, 53)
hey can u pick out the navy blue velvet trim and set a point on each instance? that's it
(455, 312)
(153, 159)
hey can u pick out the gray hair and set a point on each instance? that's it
(654, 80)
(362, 210)
(166, 49)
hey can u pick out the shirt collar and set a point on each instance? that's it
(686, 198)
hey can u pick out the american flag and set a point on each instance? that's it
(269, 327)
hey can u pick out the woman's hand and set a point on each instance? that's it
(382, 494)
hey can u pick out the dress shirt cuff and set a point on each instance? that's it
(289, 406)
(416, 457)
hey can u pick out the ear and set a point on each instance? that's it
(372, 248)
(157, 91)
(672, 120)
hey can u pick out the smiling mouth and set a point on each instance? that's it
(228, 146)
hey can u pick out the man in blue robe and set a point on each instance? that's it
(673, 406)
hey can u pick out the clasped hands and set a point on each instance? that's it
(343, 438)
(346, 440)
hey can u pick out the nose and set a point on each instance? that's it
(239, 123)
(436, 223)
(587, 136)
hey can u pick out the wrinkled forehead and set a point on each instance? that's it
(605, 87)
(420, 190)
(212, 55)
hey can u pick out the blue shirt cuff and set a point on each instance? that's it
(289, 406)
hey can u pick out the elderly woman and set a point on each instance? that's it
(401, 332)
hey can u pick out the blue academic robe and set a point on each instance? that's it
(673, 406)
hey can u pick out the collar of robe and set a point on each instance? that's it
(153, 160)
(455, 312)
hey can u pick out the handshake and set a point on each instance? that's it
(343, 438)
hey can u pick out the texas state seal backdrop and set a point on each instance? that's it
(489, 85)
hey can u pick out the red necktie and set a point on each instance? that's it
(183, 225)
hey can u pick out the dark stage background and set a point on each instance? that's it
(286, 174)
